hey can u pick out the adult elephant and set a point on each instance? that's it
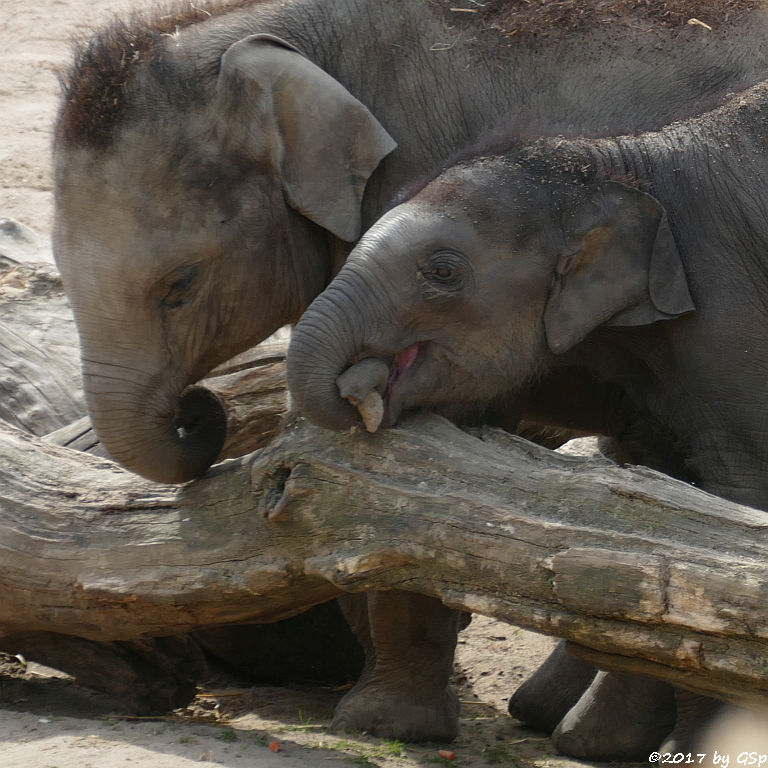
(618, 284)
(213, 165)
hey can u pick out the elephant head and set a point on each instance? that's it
(472, 289)
(194, 220)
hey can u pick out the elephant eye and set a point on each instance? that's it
(445, 271)
(178, 291)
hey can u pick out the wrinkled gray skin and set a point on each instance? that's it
(537, 274)
(225, 192)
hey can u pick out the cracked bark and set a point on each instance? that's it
(642, 571)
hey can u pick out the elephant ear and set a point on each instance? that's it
(625, 268)
(324, 143)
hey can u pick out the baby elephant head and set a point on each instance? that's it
(472, 289)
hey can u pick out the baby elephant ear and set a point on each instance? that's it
(323, 141)
(625, 268)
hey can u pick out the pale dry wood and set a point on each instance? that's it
(40, 388)
(638, 571)
(253, 391)
(626, 562)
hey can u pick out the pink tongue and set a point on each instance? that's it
(403, 361)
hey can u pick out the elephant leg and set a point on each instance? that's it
(404, 691)
(543, 700)
(695, 714)
(621, 716)
(355, 610)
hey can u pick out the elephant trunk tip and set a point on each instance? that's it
(363, 385)
(200, 424)
(181, 447)
(314, 395)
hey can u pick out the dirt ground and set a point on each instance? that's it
(47, 721)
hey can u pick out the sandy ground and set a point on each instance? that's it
(34, 42)
(46, 721)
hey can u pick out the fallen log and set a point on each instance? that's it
(626, 562)
(39, 358)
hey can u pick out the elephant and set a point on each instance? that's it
(614, 285)
(214, 164)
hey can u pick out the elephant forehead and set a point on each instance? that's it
(160, 165)
(415, 228)
(105, 248)
(490, 188)
(138, 209)
(470, 209)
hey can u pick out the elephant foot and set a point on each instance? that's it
(544, 699)
(409, 642)
(409, 713)
(695, 714)
(621, 716)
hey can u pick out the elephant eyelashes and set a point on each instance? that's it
(179, 290)
(446, 271)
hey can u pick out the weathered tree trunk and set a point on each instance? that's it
(625, 562)
(40, 387)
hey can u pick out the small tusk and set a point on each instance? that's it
(372, 410)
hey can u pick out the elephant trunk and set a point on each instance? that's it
(167, 434)
(332, 334)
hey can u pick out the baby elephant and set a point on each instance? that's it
(562, 277)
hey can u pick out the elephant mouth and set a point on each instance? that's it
(405, 361)
(402, 361)
(375, 387)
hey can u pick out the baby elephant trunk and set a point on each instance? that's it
(363, 384)
(325, 383)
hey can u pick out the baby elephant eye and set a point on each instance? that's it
(178, 289)
(445, 271)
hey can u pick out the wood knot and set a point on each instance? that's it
(281, 486)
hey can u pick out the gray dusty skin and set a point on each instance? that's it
(205, 202)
